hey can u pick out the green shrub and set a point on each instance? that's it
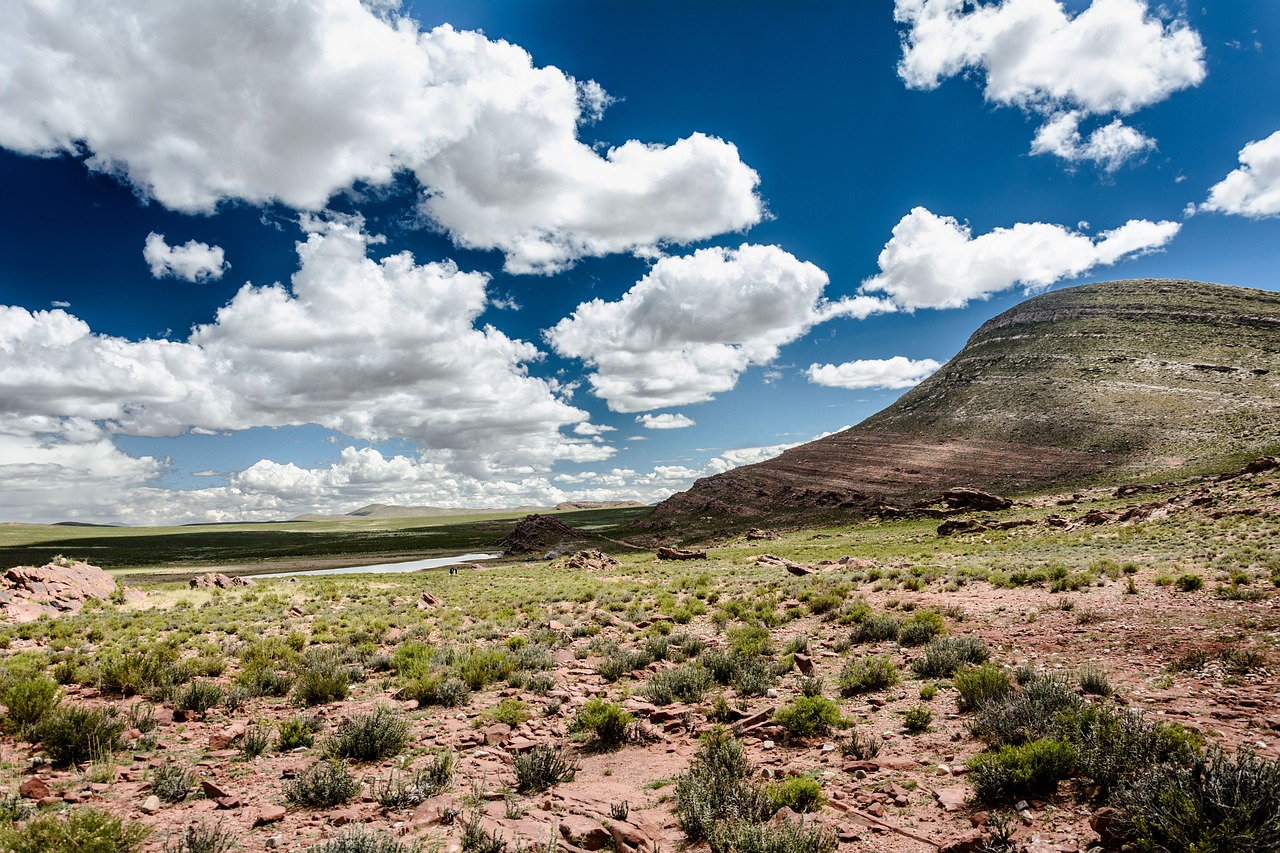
(139, 670)
(361, 840)
(1093, 681)
(1031, 770)
(172, 782)
(202, 838)
(264, 681)
(1024, 715)
(1114, 746)
(809, 715)
(296, 732)
(542, 767)
(369, 737)
(943, 656)
(922, 627)
(753, 676)
(322, 785)
(749, 640)
(718, 787)
(876, 628)
(511, 711)
(29, 700)
(865, 675)
(256, 741)
(980, 684)
(607, 725)
(1189, 582)
(198, 697)
(1215, 804)
(917, 719)
(783, 837)
(481, 668)
(686, 683)
(322, 679)
(401, 793)
(798, 793)
(78, 830)
(74, 735)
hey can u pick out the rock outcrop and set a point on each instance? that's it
(27, 593)
(537, 534)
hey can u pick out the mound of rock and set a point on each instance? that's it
(213, 580)
(27, 593)
(537, 534)
(592, 561)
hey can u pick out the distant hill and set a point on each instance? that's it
(392, 511)
(1103, 382)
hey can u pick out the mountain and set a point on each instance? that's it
(1104, 382)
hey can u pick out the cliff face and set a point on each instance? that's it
(1116, 380)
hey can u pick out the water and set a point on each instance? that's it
(386, 568)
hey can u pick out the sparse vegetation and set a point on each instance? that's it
(324, 784)
(79, 830)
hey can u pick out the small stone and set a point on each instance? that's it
(942, 770)
(34, 788)
(1021, 806)
(771, 693)
(271, 842)
(150, 805)
(212, 790)
(268, 814)
(767, 745)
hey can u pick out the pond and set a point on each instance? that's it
(386, 568)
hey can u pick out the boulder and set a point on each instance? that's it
(215, 580)
(680, 554)
(974, 499)
(62, 586)
(592, 561)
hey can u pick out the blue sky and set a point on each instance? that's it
(257, 262)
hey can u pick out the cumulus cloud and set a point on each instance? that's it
(935, 261)
(191, 261)
(1254, 188)
(333, 95)
(1113, 58)
(666, 421)
(693, 324)
(895, 372)
(375, 350)
(1110, 146)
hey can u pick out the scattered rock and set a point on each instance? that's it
(592, 561)
(951, 799)
(953, 526)
(212, 790)
(680, 554)
(755, 534)
(969, 842)
(34, 788)
(150, 805)
(584, 832)
(428, 601)
(1108, 823)
(267, 815)
(974, 499)
(213, 580)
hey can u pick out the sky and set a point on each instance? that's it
(262, 259)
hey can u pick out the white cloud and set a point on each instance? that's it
(895, 372)
(666, 421)
(935, 262)
(1114, 57)
(191, 261)
(1254, 188)
(1110, 146)
(693, 324)
(329, 95)
(375, 350)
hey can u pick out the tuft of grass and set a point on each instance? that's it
(943, 656)
(369, 737)
(980, 684)
(202, 838)
(296, 732)
(1031, 770)
(782, 837)
(198, 697)
(806, 716)
(511, 711)
(1093, 680)
(364, 840)
(79, 830)
(324, 784)
(917, 719)
(172, 782)
(541, 768)
(605, 723)
(868, 674)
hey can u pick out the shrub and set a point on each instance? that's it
(399, 793)
(605, 722)
(922, 627)
(172, 782)
(917, 719)
(860, 746)
(360, 840)
(1094, 681)
(132, 672)
(511, 711)
(1114, 746)
(980, 684)
(749, 640)
(198, 697)
(1189, 582)
(1216, 804)
(868, 674)
(1031, 770)
(783, 837)
(73, 735)
(256, 741)
(686, 683)
(542, 767)
(876, 628)
(296, 732)
(322, 785)
(481, 668)
(1025, 715)
(264, 681)
(809, 715)
(79, 830)
(30, 700)
(753, 676)
(1243, 661)
(369, 737)
(943, 656)
(798, 793)
(202, 838)
(322, 679)
(718, 787)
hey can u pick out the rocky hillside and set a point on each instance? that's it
(1104, 382)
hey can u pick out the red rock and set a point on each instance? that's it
(804, 663)
(229, 802)
(343, 817)
(951, 799)
(969, 842)
(212, 790)
(584, 832)
(34, 788)
(268, 814)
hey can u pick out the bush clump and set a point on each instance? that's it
(605, 723)
(369, 737)
(79, 830)
(1026, 714)
(876, 628)
(798, 793)
(922, 627)
(322, 785)
(865, 675)
(687, 683)
(1189, 582)
(541, 768)
(198, 697)
(29, 700)
(74, 735)
(810, 715)
(361, 840)
(1031, 770)
(783, 837)
(202, 838)
(323, 678)
(718, 787)
(978, 685)
(172, 782)
(943, 656)
(296, 732)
